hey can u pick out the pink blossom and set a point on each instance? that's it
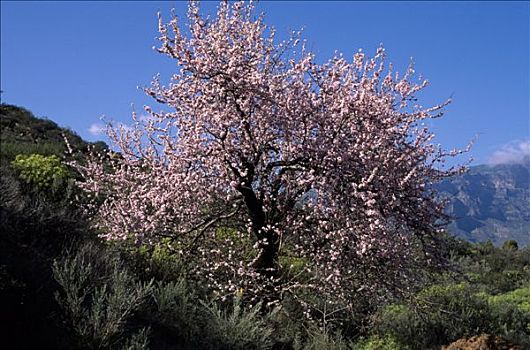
(321, 162)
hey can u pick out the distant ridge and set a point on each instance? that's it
(491, 202)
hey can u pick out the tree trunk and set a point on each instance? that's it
(266, 261)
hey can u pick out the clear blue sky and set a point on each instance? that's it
(76, 61)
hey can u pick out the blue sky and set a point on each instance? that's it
(76, 61)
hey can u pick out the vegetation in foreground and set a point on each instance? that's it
(74, 291)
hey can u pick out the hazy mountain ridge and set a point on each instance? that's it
(490, 202)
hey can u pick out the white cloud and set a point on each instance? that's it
(513, 152)
(97, 129)
(125, 127)
(146, 117)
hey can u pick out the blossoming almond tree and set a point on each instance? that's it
(275, 173)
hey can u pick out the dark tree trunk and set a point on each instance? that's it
(266, 261)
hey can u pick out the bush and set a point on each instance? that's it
(519, 297)
(185, 319)
(496, 270)
(510, 322)
(511, 315)
(442, 314)
(138, 341)
(34, 230)
(41, 171)
(376, 342)
(10, 150)
(316, 339)
(98, 297)
(401, 322)
(510, 245)
(438, 315)
(177, 308)
(238, 327)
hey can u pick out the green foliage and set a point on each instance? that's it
(10, 150)
(438, 315)
(441, 314)
(158, 261)
(243, 242)
(41, 171)
(138, 341)
(35, 228)
(519, 297)
(294, 266)
(178, 308)
(224, 232)
(97, 302)
(510, 245)
(494, 270)
(511, 312)
(316, 339)
(401, 322)
(200, 324)
(238, 327)
(376, 342)
(510, 322)
(455, 309)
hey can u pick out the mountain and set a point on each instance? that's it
(490, 202)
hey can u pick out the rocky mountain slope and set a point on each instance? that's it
(491, 203)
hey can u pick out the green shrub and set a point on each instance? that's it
(401, 322)
(510, 322)
(292, 265)
(154, 261)
(519, 297)
(138, 341)
(510, 245)
(39, 170)
(511, 315)
(441, 314)
(10, 150)
(497, 270)
(238, 327)
(318, 339)
(178, 309)
(98, 298)
(376, 342)
(193, 323)
(437, 315)
(34, 230)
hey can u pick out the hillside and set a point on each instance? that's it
(491, 203)
(23, 133)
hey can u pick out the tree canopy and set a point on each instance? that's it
(266, 160)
